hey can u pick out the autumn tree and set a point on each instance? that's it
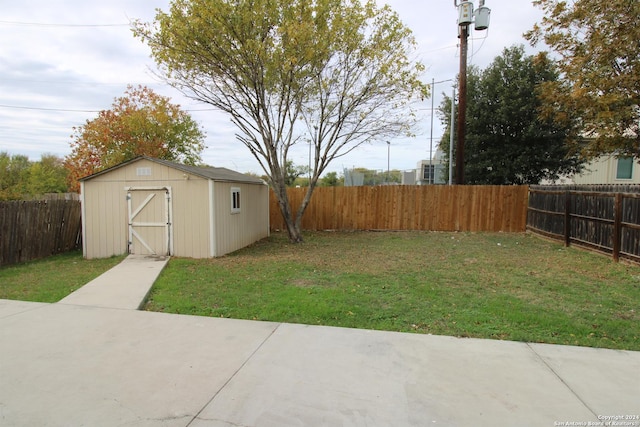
(507, 140)
(139, 123)
(337, 73)
(599, 59)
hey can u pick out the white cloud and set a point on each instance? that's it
(79, 67)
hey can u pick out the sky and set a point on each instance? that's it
(62, 62)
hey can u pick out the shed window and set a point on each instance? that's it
(235, 200)
(625, 168)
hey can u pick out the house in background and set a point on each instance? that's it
(150, 206)
(606, 170)
(432, 172)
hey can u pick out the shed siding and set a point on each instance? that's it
(107, 213)
(105, 220)
(237, 230)
(191, 218)
(203, 224)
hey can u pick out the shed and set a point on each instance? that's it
(150, 206)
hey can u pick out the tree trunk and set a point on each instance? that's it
(305, 203)
(295, 234)
(293, 228)
(293, 224)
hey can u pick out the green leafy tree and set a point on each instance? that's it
(331, 180)
(374, 177)
(507, 140)
(393, 177)
(336, 72)
(139, 123)
(47, 176)
(294, 172)
(599, 60)
(21, 178)
(14, 175)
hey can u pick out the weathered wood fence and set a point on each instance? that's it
(605, 218)
(38, 228)
(402, 207)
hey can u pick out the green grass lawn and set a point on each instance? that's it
(501, 286)
(52, 278)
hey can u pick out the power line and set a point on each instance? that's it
(42, 24)
(49, 109)
(71, 82)
(64, 110)
(437, 49)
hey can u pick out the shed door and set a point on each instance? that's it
(150, 215)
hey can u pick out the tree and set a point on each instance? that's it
(337, 73)
(14, 173)
(507, 141)
(47, 176)
(599, 59)
(20, 177)
(139, 123)
(293, 172)
(330, 180)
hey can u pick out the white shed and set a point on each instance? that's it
(157, 207)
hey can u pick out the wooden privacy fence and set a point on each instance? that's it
(404, 207)
(604, 218)
(38, 228)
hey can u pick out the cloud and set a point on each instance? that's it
(68, 58)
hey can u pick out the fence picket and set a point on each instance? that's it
(436, 208)
(38, 228)
(604, 218)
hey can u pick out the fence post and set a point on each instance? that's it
(617, 225)
(567, 218)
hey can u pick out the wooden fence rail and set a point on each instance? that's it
(433, 207)
(605, 219)
(37, 229)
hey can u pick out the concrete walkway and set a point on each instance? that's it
(125, 286)
(75, 363)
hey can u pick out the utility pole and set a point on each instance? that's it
(451, 132)
(462, 104)
(466, 16)
(433, 95)
(388, 160)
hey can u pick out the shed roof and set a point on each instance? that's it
(207, 172)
